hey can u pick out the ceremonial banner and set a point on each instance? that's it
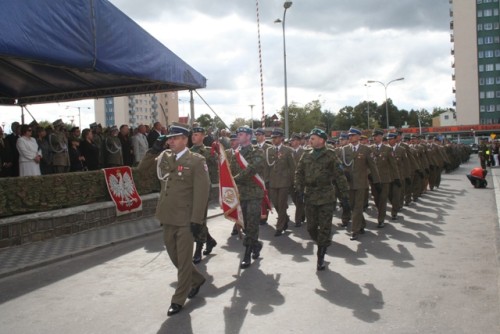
(122, 189)
(228, 191)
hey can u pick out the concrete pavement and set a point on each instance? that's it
(435, 270)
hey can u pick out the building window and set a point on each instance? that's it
(481, 81)
(490, 94)
(490, 81)
(488, 26)
(496, 25)
(480, 27)
(497, 94)
(479, 13)
(481, 95)
(488, 40)
(490, 67)
(446, 117)
(480, 54)
(482, 108)
(496, 39)
(498, 107)
(481, 68)
(497, 80)
(495, 11)
(480, 41)
(488, 54)
(487, 12)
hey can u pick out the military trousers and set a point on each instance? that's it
(356, 202)
(395, 192)
(299, 207)
(279, 197)
(319, 223)
(416, 190)
(251, 219)
(380, 199)
(202, 236)
(179, 243)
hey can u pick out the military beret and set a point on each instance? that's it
(354, 131)
(378, 132)
(296, 136)
(392, 135)
(178, 130)
(277, 132)
(198, 129)
(260, 131)
(233, 136)
(244, 129)
(318, 132)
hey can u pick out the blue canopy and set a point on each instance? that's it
(60, 50)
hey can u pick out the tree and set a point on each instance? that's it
(237, 123)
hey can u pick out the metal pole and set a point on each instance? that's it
(251, 114)
(191, 103)
(286, 5)
(386, 107)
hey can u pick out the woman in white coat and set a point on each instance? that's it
(29, 153)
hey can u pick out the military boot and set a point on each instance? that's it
(211, 243)
(197, 252)
(256, 250)
(246, 258)
(321, 258)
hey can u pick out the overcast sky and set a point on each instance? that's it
(333, 48)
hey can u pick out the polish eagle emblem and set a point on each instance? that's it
(122, 187)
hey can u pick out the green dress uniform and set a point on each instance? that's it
(113, 154)
(396, 192)
(388, 173)
(58, 144)
(281, 166)
(358, 162)
(185, 186)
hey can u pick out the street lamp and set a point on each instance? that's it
(368, 106)
(79, 114)
(385, 87)
(286, 5)
(251, 114)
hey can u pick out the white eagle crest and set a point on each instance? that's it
(123, 188)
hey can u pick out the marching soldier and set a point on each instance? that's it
(197, 137)
(388, 173)
(113, 147)
(58, 143)
(316, 174)
(396, 192)
(358, 162)
(246, 165)
(181, 208)
(297, 152)
(281, 169)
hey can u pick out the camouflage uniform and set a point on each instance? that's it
(251, 194)
(317, 173)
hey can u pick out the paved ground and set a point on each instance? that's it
(433, 271)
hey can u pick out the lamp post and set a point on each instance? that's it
(286, 5)
(79, 114)
(367, 106)
(385, 87)
(251, 114)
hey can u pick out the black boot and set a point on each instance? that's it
(256, 250)
(321, 258)
(246, 258)
(211, 243)
(197, 252)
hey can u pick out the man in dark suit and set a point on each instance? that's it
(154, 133)
(181, 207)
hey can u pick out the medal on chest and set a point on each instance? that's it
(180, 168)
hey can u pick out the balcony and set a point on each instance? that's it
(452, 38)
(451, 25)
(452, 52)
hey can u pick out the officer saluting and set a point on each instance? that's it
(182, 205)
(317, 172)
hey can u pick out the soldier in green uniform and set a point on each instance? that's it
(185, 186)
(98, 139)
(58, 144)
(396, 191)
(251, 193)
(113, 148)
(197, 137)
(358, 162)
(281, 172)
(260, 136)
(317, 173)
(388, 173)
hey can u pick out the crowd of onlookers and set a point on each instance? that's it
(31, 150)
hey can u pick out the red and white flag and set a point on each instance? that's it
(121, 188)
(228, 191)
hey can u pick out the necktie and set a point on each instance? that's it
(354, 149)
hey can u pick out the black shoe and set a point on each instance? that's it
(197, 252)
(209, 246)
(286, 225)
(298, 224)
(194, 291)
(174, 309)
(246, 258)
(321, 258)
(256, 250)
(278, 233)
(394, 217)
(234, 231)
(354, 236)
(380, 225)
(362, 231)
